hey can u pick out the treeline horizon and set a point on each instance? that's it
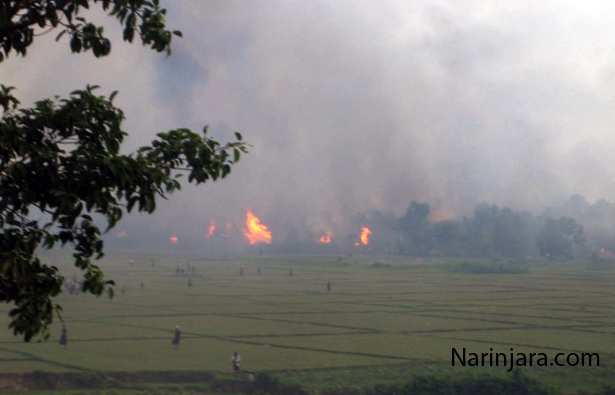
(575, 229)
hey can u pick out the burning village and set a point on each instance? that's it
(307, 198)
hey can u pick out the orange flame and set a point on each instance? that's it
(365, 232)
(256, 231)
(212, 228)
(174, 239)
(325, 239)
(121, 234)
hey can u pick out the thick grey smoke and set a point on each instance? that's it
(358, 105)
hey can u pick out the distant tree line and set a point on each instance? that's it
(571, 230)
(574, 229)
(492, 231)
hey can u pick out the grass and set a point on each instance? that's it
(381, 324)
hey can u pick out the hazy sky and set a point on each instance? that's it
(357, 105)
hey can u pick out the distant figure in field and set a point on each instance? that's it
(132, 262)
(236, 360)
(241, 271)
(258, 271)
(177, 337)
(142, 285)
(328, 285)
(123, 289)
(63, 337)
(290, 273)
(190, 282)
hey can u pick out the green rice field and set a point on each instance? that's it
(381, 323)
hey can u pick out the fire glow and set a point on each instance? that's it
(256, 231)
(212, 229)
(365, 232)
(325, 239)
(174, 239)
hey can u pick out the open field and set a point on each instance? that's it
(379, 324)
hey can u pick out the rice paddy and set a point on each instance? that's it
(380, 323)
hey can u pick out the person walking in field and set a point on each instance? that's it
(177, 337)
(63, 337)
(236, 360)
(328, 284)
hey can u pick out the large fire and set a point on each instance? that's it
(365, 232)
(256, 231)
(212, 228)
(325, 239)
